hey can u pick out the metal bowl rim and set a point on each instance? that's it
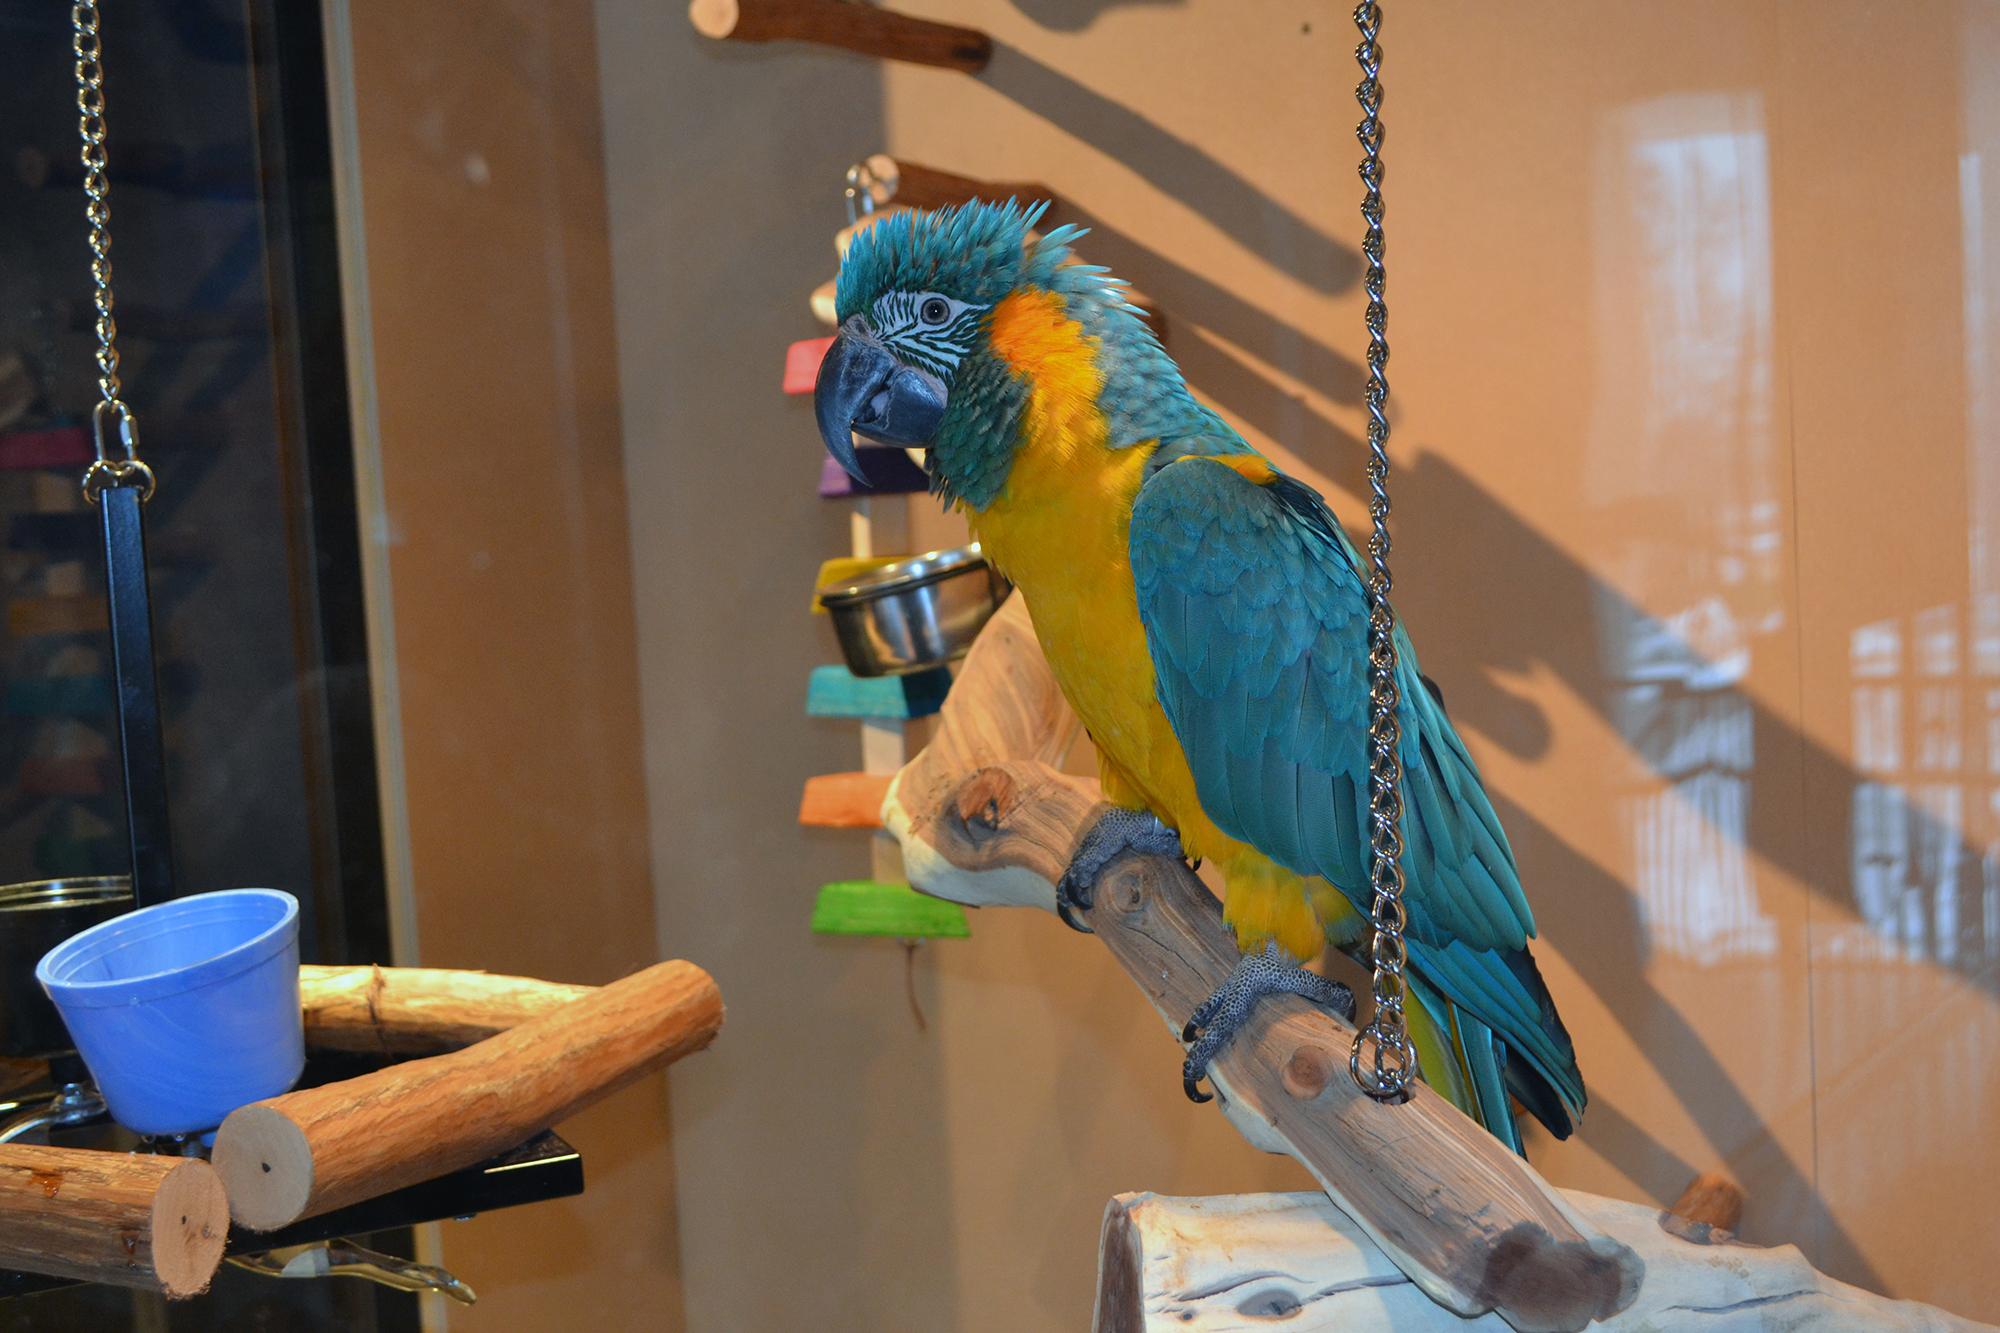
(49, 895)
(904, 575)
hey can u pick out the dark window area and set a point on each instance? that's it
(229, 319)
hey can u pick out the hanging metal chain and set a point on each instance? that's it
(106, 470)
(1387, 1073)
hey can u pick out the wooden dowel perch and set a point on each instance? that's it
(852, 27)
(308, 1152)
(984, 817)
(418, 1010)
(131, 1219)
(1296, 1261)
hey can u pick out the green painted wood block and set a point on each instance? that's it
(869, 907)
(834, 691)
(59, 696)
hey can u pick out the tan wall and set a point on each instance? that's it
(488, 290)
(1697, 438)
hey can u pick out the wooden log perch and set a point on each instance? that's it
(311, 1151)
(985, 818)
(131, 1219)
(418, 1010)
(872, 31)
(1297, 1262)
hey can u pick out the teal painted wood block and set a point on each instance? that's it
(870, 907)
(59, 696)
(834, 691)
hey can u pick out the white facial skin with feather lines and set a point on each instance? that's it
(927, 329)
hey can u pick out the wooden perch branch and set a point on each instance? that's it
(315, 1150)
(418, 1010)
(852, 27)
(131, 1219)
(1204, 1265)
(984, 817)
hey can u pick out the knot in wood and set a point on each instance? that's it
(985, 801)
(1308, 1072)
(1125, 888)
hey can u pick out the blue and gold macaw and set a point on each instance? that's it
(1206, 617)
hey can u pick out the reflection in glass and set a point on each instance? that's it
(1682, 242)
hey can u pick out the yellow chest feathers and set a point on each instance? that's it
(1060, 529)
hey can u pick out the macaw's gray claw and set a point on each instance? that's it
(1218, 1017)
(1118, 832)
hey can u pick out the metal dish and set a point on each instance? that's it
(34, 918)
(915, 614)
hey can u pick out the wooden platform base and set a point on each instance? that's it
(1296, 1262)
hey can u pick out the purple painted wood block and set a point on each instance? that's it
(889, 472)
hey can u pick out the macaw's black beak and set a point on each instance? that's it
(863, 388)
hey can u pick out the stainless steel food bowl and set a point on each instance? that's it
(34, 918)
(914, 614)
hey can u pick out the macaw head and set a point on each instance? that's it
(914, 362)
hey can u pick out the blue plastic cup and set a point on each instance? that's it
(187, 1009)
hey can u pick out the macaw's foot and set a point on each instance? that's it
(1271, 972)
(1118, 832)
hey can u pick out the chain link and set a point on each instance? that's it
(111, 411)
(1391, 1065)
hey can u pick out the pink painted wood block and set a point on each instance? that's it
(58, 446)
(802, 360)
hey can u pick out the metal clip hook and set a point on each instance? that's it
(343, 1258)
(128, 428)
(107, 471)
(860, 192)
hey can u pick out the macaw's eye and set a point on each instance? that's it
(934, 310)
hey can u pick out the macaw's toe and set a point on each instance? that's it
(1118, 832)
(1271, 972)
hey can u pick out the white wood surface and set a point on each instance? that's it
(1295, 1262)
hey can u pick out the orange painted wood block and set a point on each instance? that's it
(844, 800)
(29, 616)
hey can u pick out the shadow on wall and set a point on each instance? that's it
(1477, 556)
(1473, 540)
(1207, 184)
(1077, 15)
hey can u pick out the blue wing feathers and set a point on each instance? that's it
(1256, 617)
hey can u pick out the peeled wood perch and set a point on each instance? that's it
(1466, 1219)
(984, 817)
(419, 1010)
(852, 27)
(131, 1219)
(323, 1148)
(1298, 1263)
